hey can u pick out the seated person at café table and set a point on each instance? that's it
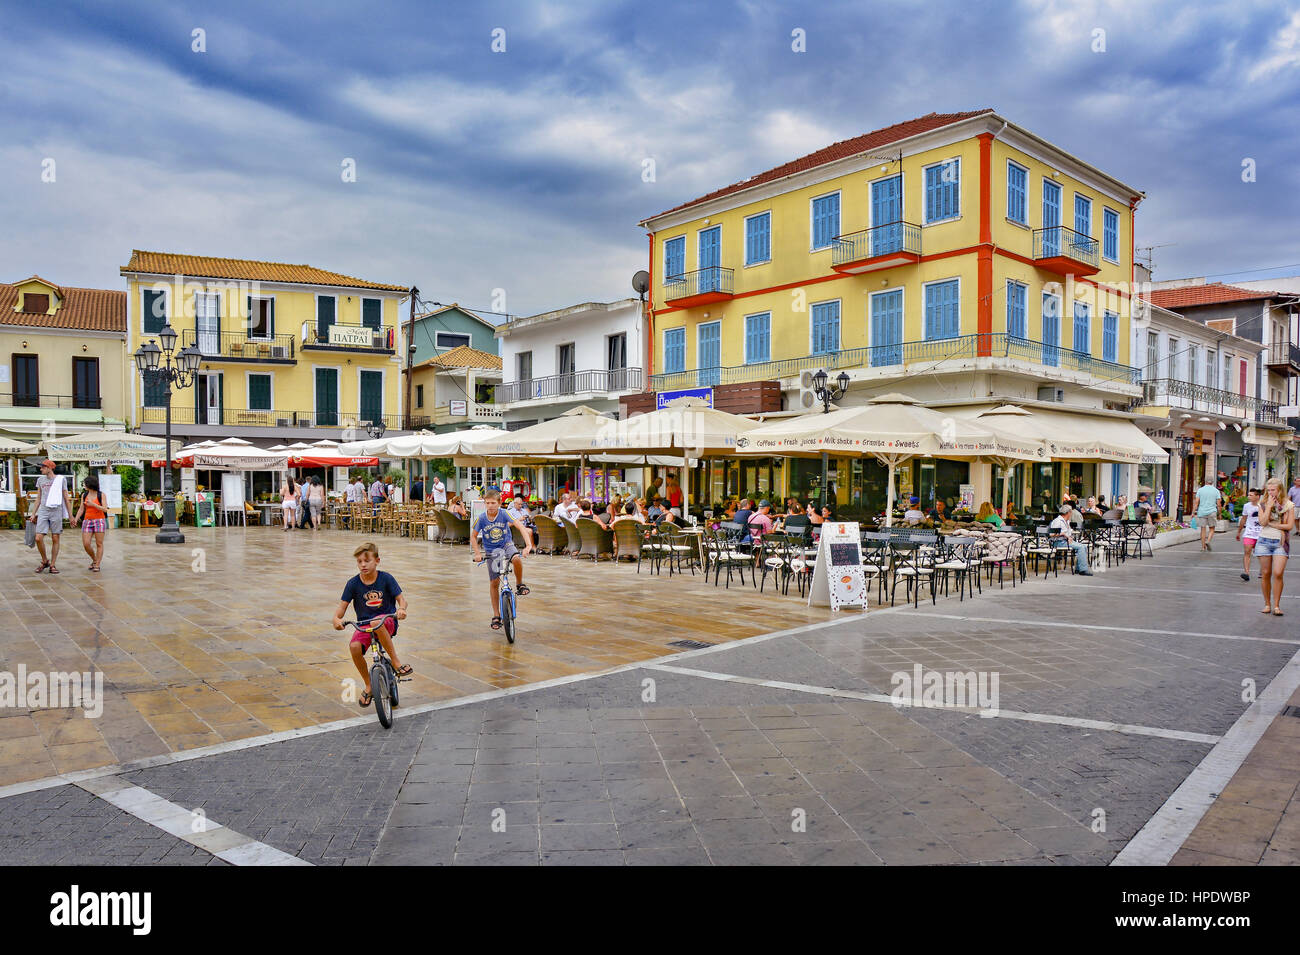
(1063, 527)
(792, 508)
(988, 516)
(1091, 508)
(815, 516)
(744, 512)
(1142, 509)
(939, 513)
(913, 514)
(761, 522)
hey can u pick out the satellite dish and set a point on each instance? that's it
(641, 282)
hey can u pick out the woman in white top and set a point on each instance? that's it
(1277, 518)
(288, 501)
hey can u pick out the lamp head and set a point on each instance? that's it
(168, 338)
(190, 359)
(147, 356)
(819, 379)
(843, 380)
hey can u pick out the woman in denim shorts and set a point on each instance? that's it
(95, 511)
(1277, 518)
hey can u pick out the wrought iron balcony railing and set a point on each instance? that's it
(29, 399)
(595, 380)
(186, 413)
(713, 280)
(348, 336)
(1184, 394)
(238, 346)
(902, 354)
(890, 239)
(1058, 241)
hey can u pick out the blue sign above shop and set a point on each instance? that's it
(663, 398)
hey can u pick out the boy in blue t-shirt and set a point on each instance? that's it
(378, 600)
(493, 527)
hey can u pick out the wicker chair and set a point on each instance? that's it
(595, 541)
(627, 534)
(551, 538)
(454, 530)
(575, 540)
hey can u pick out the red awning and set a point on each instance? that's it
(330, 461)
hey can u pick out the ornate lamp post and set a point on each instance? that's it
(375, 429)
(826, 394)
(160, 366)
(1184, 443)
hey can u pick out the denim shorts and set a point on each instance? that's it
(499, 559)
(1265, 547)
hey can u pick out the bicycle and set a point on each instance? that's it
(506, 597)
(383, 676)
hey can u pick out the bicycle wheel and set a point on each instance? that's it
(508, 615)
(379, 695)
(391, 676)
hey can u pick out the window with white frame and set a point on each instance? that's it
(943, 191)
(758, 238)
(758, 337)
(1017, 309)
(1110, 235)
(674, 350)
(825, 220)
(1017, 193)
(450, 339)
(1171, 360)
(1153, 353)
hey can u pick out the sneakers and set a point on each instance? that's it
(1245, 576)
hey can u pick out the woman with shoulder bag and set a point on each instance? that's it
(1277, 518)
(96, 523)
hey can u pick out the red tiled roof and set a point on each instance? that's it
(841, 150)
(89, 309)
(1212, 294)
(210, 267)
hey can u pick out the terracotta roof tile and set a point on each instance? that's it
(205, 266)
(1212, 294)
(463, 356)
(90, 309)
(841, 150)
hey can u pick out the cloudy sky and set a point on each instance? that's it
(522, 170)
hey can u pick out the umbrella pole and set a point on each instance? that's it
(825, 472)
(889, 495)
(686, 483)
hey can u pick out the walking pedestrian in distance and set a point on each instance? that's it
(316, 501)
(95, 512)
(53, 504)
(1277, 518)
(288, 501)
(1248, 530)
(1207, 511)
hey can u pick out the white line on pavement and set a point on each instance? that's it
(1130, 728)
(1253, 593)
(220, 841)
(1098, 626)
(1165, 832)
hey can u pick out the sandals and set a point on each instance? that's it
(496, 623)
(53, 569)
(44, 564)
(1278, 613)
(365, 698)
(523, 590)
(405, 670)
(95, 568)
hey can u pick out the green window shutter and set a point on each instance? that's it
(155, 311)
(372, 396)
(327, 398)
(221, 399)
(324, 318)
(371, 312)
(271, 317)
(259, 392)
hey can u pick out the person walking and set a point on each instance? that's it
(378, 493)
(1248, 530)
(1277, 518)
(1208, 498)
(1293, 492)
(288, 501)
(417, 490)
(316, 501)
(439, 490)
(95, 511)
(53, 504)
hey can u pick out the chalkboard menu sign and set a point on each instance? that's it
(846, 554)
(203, 515)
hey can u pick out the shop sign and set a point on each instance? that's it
(838, 580)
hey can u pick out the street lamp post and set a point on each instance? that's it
(161, 366)
(1184, 443)
(826, 394)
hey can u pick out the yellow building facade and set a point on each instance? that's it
(290, 352)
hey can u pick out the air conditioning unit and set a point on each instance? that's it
(1049, 393)
(304, 422)
(283, 423)
(279, 351)
(807, 399)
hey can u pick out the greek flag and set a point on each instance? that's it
(1160, 500)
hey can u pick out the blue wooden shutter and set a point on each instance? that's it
(1051, 328)
(674, 257)
(758, 342)
(1110, 234)
(826, 328)
(1082, 329)
(826, 220)
(1016, 295)
(1051, 218)
(887, 328)
(886, 212)
(1110, 336)
(675, 350)
(1082, 215)
(758, 239)
(942, 319)
(1015, 193)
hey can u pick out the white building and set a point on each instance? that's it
(588, 354)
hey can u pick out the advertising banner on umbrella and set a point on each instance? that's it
(331, 461)
(105, 445)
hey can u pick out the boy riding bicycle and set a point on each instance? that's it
(493, 526)
(379, 603)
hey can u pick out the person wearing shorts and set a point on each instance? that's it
(53, 503)
(493, 528)
(95, 524)
(289, 492)
(1208, 498)
(1277, 519)
(379, 602)
(1248, 530)
(316, 501)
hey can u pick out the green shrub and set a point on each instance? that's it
(130, 478)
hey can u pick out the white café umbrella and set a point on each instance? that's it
(13, 448)
(580, 424)
(108, 445)
(236, 454)
(892, 428)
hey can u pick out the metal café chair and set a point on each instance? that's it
(720, 554)
(960, 557)
(913, 564)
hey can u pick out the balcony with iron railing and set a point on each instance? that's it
(898, 358)
(1172, 393)
(239, 346)
(27, 399)
(341, 336)
(594, 381)
(1284, 358)
(185, 413)
(1066, 252)
(466, 412)
(895, 243)
(710, 284)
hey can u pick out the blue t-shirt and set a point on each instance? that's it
(372, 600)
(1207, 501)
(496, 533)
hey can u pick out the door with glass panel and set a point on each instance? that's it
(207, 323)
(886, 213)
(208, 394)
(887, 328)
(710, 354)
